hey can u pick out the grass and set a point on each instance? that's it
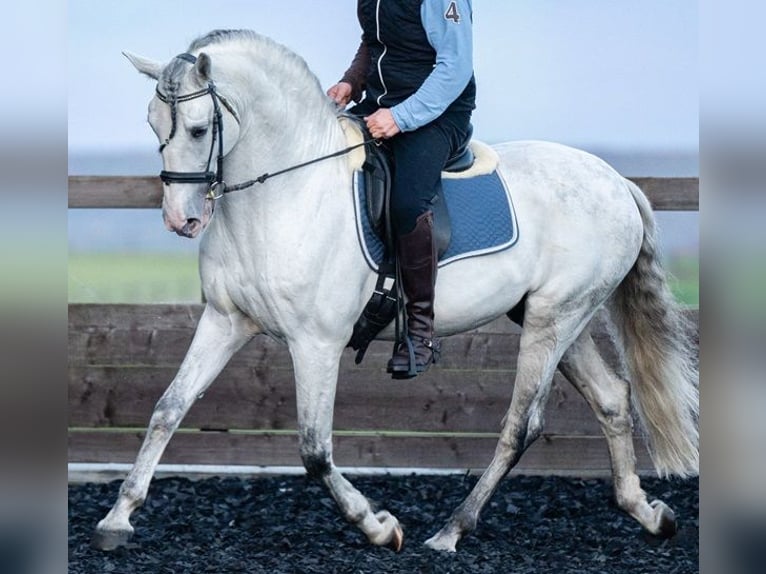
(172, 278)
(133, 278)
(685, 279)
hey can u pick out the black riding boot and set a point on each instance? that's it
(417, 262)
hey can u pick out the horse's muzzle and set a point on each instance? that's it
(191, 229)
(187, 218)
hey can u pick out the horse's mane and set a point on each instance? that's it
(261, 74)
(266, 49)
(221, 36)
(269, 49)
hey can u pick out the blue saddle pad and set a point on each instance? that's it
(481, 215)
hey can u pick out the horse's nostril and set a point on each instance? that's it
(192, 227)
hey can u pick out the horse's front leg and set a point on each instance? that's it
(316, 377)
(217, 338)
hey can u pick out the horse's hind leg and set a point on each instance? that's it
(316, 375)
(545, 337)
(608, 396)
(217, 338)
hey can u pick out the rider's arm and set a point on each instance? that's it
(356, 75)
(448, 26)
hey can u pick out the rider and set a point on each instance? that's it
(415, 67)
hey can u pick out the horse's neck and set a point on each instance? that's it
(288, 138)
(286, 120)
(290, 206)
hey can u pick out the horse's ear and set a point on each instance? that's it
(145, 65)
(202, 67)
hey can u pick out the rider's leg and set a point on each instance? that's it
(419, 157)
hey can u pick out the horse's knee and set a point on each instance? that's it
(167, 415)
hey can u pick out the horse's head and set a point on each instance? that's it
(196, 127)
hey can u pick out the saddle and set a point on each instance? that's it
(387, 301)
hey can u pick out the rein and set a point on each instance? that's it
(215, 179)
(262, 178)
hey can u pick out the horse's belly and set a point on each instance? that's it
(474, 291)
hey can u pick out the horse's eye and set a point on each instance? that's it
(198, 132)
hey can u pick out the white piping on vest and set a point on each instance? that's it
(385, 49)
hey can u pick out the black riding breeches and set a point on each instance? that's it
(418, 159)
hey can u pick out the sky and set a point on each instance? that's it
(616, 78)
(597, 74)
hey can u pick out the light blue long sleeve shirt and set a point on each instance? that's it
(448, 26)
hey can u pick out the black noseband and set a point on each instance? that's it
(188, 176)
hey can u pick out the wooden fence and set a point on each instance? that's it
(122, 357)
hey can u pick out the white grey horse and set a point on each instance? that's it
(282, 258)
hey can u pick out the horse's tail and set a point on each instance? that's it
(660, 356)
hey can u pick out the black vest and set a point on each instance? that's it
(400, 56)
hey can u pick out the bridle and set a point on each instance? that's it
(215, 178)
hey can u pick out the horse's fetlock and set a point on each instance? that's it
(464, 519)
(317, 464)
(355, 514)
(132, 492)
(627, 503)
(465, 522)
(316, 454)
(628, 493)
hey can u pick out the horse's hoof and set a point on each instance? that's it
(110, 539)
(397, 539)
(667, 527)
(391, 535)
(442, 542)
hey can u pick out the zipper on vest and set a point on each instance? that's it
(385, 49)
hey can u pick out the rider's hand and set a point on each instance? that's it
(340, 93)
(382, 124)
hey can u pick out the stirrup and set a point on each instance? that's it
(413, 368)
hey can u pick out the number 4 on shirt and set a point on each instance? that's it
(452, 13)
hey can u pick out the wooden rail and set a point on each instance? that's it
(122, 357)
(665, 193)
